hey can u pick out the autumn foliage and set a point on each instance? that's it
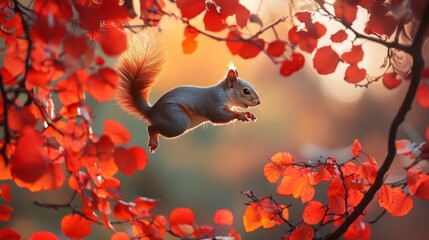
(51, 67)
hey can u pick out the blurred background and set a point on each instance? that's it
(305, 114)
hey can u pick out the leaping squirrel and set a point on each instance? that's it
(182, 108)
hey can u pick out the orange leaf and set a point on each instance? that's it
(116, 132)
(224, 217)
(5, 212)
(44, 236)
(75, 226)
(326, 60)
(394, 200)
(272, 172)
(368, 170)
(356, 148)
(423, 95)
(182, 221)
(304, 232)
(29, 162)
(252, 218)
(190, 32)
(307, 193)
(9, 234)
(418, 183)
(314, 212)
(189, 45)
(102, 84)
(336, 197)
(283, 159)
(120, 236)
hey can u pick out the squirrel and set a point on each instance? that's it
(182, 108)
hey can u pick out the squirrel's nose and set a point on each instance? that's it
(258, 102)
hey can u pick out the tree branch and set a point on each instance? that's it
(5, 121)
(415, 50)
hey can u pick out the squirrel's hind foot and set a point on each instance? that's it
(153, 139)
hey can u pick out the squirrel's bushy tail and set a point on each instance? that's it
(138, 68)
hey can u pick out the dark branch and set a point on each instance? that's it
(415, 50)
(5, 121)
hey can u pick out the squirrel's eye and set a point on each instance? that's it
(246, 91)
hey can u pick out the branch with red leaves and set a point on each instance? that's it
(415, 50)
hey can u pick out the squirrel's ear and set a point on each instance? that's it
(231, 77)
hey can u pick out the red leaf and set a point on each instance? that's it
(394, 200)
(116, 132)
(368, 170)
(29, 162)
(75, 226)
(289, 67)
(380, 21)
(5, 192)
(9, 234)
(316, 30)
(14, 59)
(189, 45)
(190, 32)
(223, 217)
(113, 41)
(423, 95)
(304, 232)
(102, 84)
(120, 236)
(8, 79)
(182, 221)
(276, 48)
(356, 148)
(122, 212)
(48, 30)
(233, 45)
(191, 8)
(346, 11)
(212, 19)
(314, 212)
(99, 61)
(339, 36)
(129, 160)
(390, 81)
(326, 60)
(336, 196)
(44, 236)
(5, 212)
(353, 56)
(354, 74)
(20, 118)
(75, 46)
(242, 15)
(251, 49)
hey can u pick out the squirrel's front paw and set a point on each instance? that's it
(242, 117)
(250, 116)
